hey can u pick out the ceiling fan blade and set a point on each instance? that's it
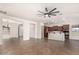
(46, 9)
(53, 14)
(53, 10)
(56, 12)
(4, 12)
(41, 12)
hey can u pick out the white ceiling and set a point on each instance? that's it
(29, 11)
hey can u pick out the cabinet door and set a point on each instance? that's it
(51, 35)
(56, 35)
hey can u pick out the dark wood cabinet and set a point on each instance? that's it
(65, 27)
(66, 31)
(45, 32)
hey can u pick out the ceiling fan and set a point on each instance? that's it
(49, 13)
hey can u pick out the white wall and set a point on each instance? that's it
(1, 30)
(39, 29)
(13, 30)
(32, 30)
(26, 30)
(74, 35)
(13, 33)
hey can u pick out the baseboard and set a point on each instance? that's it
(35, 38)
(74, 39)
